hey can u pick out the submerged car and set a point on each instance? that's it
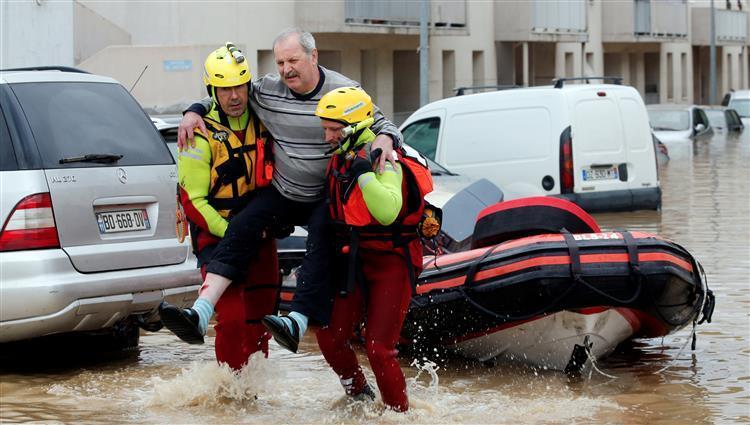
(87, 211)
(679, 123)
(739, 100)
(725, 120)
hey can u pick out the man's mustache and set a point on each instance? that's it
(291, 74)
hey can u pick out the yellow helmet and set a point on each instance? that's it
(348, 105)
(226, 67)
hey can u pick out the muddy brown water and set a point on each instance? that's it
(706, 209)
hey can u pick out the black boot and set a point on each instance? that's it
(284, 336)
(183, 322)
(367, 394)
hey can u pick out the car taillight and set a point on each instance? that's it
(566, 161)
(30, 225)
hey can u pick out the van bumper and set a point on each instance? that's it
(617, 200)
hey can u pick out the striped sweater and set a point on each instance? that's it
(300, 149)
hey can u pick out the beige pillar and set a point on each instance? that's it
(351, 63)
(664, 77)
(640, 73)
(625, 69)
(525, 59)
(724, 85)
(568, 60)
(385, 81)
(435, 85)
(463, 67)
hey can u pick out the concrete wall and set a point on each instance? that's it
(86, 23)
(480, 18)
(36, 33)
(676, 73)
(171, 81)
(210, 22)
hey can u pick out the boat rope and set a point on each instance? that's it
(706, 316)
(471, 273)
(576, 272)
(592, 359)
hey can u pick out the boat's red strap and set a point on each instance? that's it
(643, 257)
(447, 260)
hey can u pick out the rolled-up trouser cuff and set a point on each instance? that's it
(224, 270)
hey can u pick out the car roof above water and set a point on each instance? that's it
(44, 76)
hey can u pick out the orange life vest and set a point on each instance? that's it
(357, 229)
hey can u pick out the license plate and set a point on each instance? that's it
(122, 221)
(590, 174)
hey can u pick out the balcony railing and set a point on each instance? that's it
(661, 18)
(443, 13)
(559, 17)
(731, 25)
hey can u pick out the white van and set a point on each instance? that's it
(588, 143)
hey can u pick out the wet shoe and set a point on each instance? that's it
(367, 394)
(284, 336)
(183, 322)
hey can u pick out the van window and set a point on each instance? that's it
(699, 117)
(71, 119)
(7, 154)
(423, 136)
(500, 135)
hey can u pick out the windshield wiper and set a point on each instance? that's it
(102, 158)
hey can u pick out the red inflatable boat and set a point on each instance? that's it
(543, 285)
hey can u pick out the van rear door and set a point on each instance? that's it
(642, 167)
(600, 157)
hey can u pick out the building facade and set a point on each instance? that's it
(658, 46)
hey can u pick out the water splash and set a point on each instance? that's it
(208, 383)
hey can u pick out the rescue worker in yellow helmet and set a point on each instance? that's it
(379, 252)
(217, 178)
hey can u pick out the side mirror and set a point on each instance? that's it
(699, 128)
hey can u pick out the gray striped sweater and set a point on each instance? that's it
(300, 149)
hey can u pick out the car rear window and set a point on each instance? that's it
(666, 120)
(716, 118)
(74, 119)
(7, 154)
(742, 106)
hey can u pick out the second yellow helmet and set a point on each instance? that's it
(348, 105)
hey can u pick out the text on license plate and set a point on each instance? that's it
(122, 221)
(600, 174)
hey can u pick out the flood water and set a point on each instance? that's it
(706, 208)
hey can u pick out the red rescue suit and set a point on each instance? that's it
(378, 266)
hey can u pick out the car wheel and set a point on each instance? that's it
(124, 336)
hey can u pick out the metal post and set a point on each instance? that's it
(712, 59)
(424, 50)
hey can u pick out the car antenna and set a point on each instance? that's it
(138, 79)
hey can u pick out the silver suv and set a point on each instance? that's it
(87, 242)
